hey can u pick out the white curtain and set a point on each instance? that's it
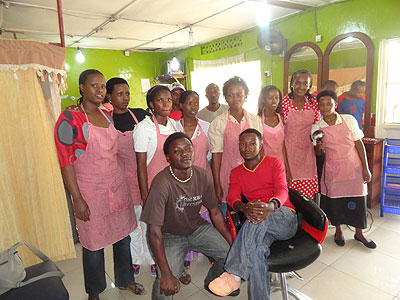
(206, 64)
(388, 101)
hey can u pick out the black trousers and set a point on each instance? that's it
(94, 268)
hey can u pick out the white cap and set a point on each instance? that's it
(176, 85)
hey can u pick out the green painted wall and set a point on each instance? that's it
(378, 19)
(113, 63)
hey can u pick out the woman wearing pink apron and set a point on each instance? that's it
(269, 103)
(125, 120)
(224, 136)
(102, 203)
(345, 174)
(300, 111)
(198, 131)
(149, 137)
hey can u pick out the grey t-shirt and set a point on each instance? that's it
(175, 206)
(208, 115)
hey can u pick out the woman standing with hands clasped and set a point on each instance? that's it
(269, 106)
(86, 142)
(148, 138)
(346, 173)
(125, 120)
(197, 130)
(224, 136)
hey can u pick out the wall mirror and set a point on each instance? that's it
(349, 57)
(307, 56)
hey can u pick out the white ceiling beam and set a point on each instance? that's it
(194, 23)
(113, 18)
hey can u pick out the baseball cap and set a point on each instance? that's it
(176, 85)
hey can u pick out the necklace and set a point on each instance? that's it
(182, 181)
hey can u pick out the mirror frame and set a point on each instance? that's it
(368, 129)
(288, 54)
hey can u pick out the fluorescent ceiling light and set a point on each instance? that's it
(79, 56)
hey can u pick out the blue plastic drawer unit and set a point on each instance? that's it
(390, 198)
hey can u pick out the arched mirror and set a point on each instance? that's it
(348, 60)
(307, 56)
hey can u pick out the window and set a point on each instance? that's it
(249, 71)
(388, 96)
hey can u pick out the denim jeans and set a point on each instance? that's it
(223, 207)
(248, 255)
(94, 268)
(205, 239)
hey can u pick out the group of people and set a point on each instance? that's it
(156, 184)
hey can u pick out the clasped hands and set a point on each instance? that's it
(258, 211)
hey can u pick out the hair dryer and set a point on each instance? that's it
(318, 135)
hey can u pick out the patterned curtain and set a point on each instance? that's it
(32, 198)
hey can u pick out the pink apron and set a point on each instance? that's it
(273, 138)
(158, 162)
(127, 161)
(342, 174)
(103, 186)
(299, 148)
(231, 157)
(201, 147)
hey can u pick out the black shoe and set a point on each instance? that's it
(234, 293)
(339, 242)
(370, 245)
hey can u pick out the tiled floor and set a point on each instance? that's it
(352, 272)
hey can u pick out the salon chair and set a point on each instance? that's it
(294, 254)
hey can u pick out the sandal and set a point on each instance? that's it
(153, 270)
(185, 278)
(136, 269)
(136, 288)
(186, 265)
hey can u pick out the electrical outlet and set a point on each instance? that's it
(267, 73)
(318, 38)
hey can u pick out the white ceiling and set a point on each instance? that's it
(155, 25)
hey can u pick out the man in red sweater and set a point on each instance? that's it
(270, 216)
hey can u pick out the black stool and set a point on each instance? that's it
(302, 249)
(299, 251)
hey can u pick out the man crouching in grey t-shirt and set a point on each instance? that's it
(175, 226)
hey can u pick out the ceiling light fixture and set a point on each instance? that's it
(79, 56)
(263, 14)
(191, 40)
(175, 64)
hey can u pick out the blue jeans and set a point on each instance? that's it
(223, 207)
(250, 250)
(205, 239)
(94, 269)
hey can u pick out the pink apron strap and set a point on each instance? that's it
(198, 126)
(244, 114)
(279, 118)
(133, 116)
(101, 111)
(158, 128)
